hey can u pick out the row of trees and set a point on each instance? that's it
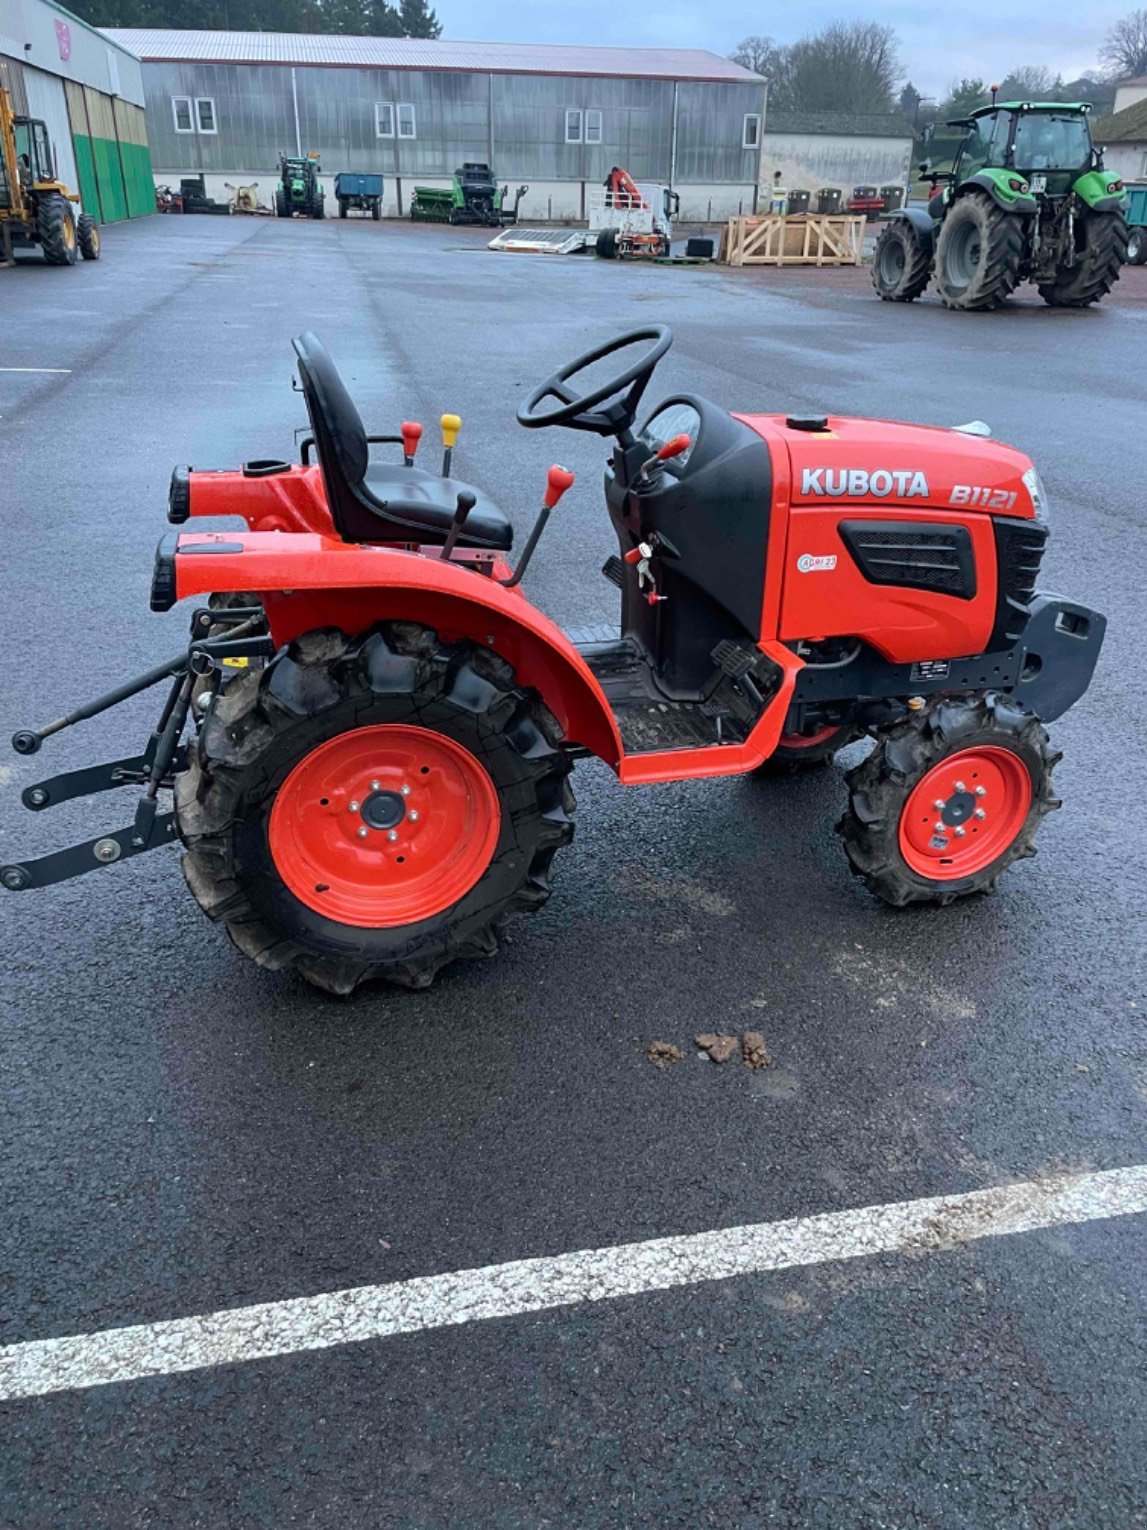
(369, 18)
(854, 67)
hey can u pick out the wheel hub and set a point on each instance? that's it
(384, 825)
(965, 812)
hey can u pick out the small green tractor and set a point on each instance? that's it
(1027, 199)
(299, 189)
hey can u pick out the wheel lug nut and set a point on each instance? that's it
(406, 791)
(938, 828)
(375, 786)
(960, 833)
(363, 832)
(352, 807)
(393, 835)
(979, 813)
(939, 804)
(981, 791)
(960, 787)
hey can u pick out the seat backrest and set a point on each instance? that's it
(340, 436)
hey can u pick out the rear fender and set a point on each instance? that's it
(293, 499)
(997, 184)
(1101, 191)
(921, 223)
(308, 581)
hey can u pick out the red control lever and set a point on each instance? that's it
(558, 480)
(674, 448)
(411, 435)
(634, 555)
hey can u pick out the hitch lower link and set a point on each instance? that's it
(155, 769)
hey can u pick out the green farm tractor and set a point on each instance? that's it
(299, 189)
(1027, 199)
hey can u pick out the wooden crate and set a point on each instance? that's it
(806, 239)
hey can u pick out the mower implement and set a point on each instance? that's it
(370, 735)
(1027, 199)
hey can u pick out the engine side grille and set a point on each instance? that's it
(907, 553)
(1019, 552)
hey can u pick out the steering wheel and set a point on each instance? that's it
(582, 411)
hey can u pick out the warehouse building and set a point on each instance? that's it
(225, 104)
(88, 90)
(837, 149)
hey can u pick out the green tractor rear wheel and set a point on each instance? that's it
(901, 265)
(56, 226)
(1101, 251)
(978, 254)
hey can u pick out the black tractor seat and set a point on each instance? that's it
(376, 501)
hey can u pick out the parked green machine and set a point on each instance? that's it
(299, 189)
(474, 197)
(1027, 199)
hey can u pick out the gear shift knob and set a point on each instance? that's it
(558, 480)
(411, 435)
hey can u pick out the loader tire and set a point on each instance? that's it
(901, 266)
(948, 799)
(88, 234)
(1099, 258)
(316, 868)
(56, 227)
(978, 254)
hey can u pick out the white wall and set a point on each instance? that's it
(1127, 159)
(1127, 95)
(93, 60)
(808, 161)
(46, 100)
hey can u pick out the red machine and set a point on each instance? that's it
(382, 726)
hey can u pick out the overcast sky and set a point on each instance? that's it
(976, 37)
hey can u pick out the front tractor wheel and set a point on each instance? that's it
(978, 254)
(948, 799)
(1101, 251)
(373, 808)
(900, 265)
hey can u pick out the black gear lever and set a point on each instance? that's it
(466, 503)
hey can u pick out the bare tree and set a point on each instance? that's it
(1125, 49)
(1030, 82)
(847, 67)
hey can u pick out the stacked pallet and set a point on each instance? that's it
(806, 239)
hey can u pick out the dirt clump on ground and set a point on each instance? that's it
(663, 1054)
(719, 1047)
(754, 1051)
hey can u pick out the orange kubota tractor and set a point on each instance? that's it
(385, 778)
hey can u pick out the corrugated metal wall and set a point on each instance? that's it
(516, 122)
(113, 164)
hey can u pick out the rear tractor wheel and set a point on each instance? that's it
(88, 234)
(948, 799)
(373, 807)
(1101, 250)
(805, 751)
(978, 254)
(56, 226)
(901, 266)
(1136, 246)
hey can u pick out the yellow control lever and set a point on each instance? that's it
(451, 424)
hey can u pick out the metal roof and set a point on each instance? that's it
(1127, 126)
(337, 50)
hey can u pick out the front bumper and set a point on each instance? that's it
(1060, 646)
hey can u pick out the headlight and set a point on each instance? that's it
(1038, 496)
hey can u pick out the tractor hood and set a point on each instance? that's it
(884, 463)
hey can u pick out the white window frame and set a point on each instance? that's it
(593, 125)
(176, 102)
(753, 142)
(379, 130)
(573, 121)
(199, 128)
(407, 106)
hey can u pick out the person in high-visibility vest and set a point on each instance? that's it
(780, 196)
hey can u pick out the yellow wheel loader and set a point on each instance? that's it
(35, 207)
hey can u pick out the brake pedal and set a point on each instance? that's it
(732, 659)
(614, 570)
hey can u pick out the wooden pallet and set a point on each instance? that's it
(806, 239)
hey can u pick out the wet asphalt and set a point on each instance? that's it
(182, 1132)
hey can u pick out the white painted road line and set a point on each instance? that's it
(63, 371)
(532, 1285)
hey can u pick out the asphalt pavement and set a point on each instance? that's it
(183, 1133)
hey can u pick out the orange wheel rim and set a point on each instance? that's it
(384, 826)
(964, 813)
